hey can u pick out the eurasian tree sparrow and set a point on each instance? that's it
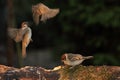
(73, 59)
(41, 10)
(23, 34)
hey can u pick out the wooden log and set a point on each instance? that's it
(90, 73)
(60, 73)
(27, 73)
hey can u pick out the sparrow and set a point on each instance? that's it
(71, 59)
(41, 10)
(23, 34)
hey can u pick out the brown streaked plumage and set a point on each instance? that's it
(26, 40)
(73, 59)
(42, 10)
(23, 34)
(16, 34)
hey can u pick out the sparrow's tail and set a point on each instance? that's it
(88, 57)
(23, 50)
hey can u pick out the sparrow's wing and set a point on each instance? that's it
(43, 11)
(13, 34)
(16, 34)
(42, 8)
(74, 57)
(38, 10)
(49, 14)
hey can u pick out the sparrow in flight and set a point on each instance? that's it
(42, 12)
(73, 59)
(23, 34)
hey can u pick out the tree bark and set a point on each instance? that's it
(10, 45)
(60, 73)
(10, 23)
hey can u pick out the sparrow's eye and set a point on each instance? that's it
(63, 57)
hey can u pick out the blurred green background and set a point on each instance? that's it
(88, 27)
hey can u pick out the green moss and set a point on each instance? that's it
(86, 72)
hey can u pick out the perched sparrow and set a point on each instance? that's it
(23, 34)
(43, 11)
(73, 59)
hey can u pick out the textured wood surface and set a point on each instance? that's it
(60, 73)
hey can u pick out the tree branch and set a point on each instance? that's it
(61, 73)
